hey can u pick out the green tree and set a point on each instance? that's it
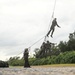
(71, 45)
(62, 46)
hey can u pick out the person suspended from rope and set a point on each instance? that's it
(42, 48)
(52, 28)
(26, 64)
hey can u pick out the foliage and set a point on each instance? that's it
(69, 45)
(47, 49)
(62, 46)
(16, 61)
(3, 64)
(48, 53)
(63, 58)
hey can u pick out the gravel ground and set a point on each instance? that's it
(38, 71)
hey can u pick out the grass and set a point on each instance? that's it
(52, 65)
(56, 65)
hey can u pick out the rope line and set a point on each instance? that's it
(36, 41)
(52, 16)
(48, 27)
(31, 45)
(54, 9)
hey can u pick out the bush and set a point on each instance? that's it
(4, 64)
(63, 58)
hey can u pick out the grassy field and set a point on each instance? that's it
(56, 65)
(52, 65)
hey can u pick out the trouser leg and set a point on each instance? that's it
(52, 32)
(48, 32)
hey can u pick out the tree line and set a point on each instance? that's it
(50, 53)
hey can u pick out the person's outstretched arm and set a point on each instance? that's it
(58, 26)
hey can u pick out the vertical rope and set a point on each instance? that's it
(53, 12)
(52, 16)
(54, 9)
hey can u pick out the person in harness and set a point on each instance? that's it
(52, 28)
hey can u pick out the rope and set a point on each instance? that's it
(31, 45)
(37, 41)
(54, 9)
(48, 27)
(50, 20)
(52, 14)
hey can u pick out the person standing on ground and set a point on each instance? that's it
(26, 64)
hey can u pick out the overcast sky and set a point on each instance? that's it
(23, 22)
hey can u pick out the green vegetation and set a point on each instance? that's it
(63, 53)
(16, 61)
(56, 65)
(63, 58)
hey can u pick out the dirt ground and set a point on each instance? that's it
(38, 70)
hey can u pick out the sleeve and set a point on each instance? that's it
(57, 24)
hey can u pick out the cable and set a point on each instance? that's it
(48, 27)
(31, 45)
(54, 9)
(52, 14)
(37, 41)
